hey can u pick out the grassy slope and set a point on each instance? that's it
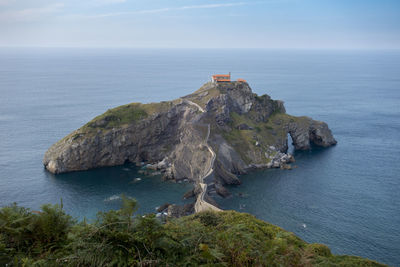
(127, 114)
(265, 133)
(249, 242)
(52, 238)
(120, 117)
(201, 96)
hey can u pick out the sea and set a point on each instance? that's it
(346, 196)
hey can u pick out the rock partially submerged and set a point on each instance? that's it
(179, 211)
(245, 130)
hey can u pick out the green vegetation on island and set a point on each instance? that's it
(126, 114)
(118, 238)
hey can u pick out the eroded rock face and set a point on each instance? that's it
(245, 130)
(146, 140)
(310, 132)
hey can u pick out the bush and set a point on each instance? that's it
(208, 218)
(319, 250)
(16, 228)
(24, 234)
(51, 226)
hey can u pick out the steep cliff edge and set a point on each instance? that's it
(246, 131)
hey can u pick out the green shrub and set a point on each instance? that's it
(208, 218)
(51, 226)
(319, 250)
(25, 234)
(16, 228)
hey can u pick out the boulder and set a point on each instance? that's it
(189, 194)
(222, 191)
(177, 211)
(163, 207)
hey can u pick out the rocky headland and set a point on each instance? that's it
(209, 137)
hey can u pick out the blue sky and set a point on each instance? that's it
(300, 24)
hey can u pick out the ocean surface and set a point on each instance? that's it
(347, 196)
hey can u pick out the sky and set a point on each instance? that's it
(286, 24)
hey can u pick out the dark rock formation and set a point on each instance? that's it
(222, 191)
(163, 207)
(308, 132)
(226, 177)
(179, 211)
(189, 194)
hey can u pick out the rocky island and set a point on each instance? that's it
(210, 137)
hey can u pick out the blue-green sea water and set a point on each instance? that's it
(347, 196)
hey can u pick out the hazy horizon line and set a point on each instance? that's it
(199, 48)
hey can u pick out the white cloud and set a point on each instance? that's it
(166, 9)
(28, 14)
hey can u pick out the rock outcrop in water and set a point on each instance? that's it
(178, 137)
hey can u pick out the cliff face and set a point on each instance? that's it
(244, 130)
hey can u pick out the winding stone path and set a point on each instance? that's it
(201, 204)
(193, 104)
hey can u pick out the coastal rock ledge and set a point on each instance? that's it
(179, 137)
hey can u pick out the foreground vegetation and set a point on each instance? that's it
(118, 238)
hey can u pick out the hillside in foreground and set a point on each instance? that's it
(50, 237)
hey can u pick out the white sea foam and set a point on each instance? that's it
(112, 198)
